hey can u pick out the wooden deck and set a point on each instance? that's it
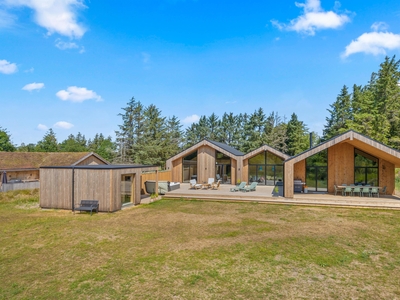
(264, 194)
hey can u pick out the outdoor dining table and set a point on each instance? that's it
(342, 187)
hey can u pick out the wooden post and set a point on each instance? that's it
(156, 181)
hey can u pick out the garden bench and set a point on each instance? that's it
(88, 205)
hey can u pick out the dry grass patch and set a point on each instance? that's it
(199, 249)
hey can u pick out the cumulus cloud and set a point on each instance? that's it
(191, 119)
(7, 68)
(65, 45)
(375, 42)
(33, 86)
(57, 16)
(63, 125)
(313, 18)
(42, 127)
(77, 94)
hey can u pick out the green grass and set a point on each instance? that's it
(197, 250)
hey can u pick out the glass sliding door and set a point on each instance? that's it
(317, 172)
(189, 168)
(266, 169)
(127, 189)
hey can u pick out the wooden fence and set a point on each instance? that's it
(162, 176)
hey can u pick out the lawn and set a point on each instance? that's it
(198, 250)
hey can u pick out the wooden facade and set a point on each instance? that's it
(341, 167)
(65, 187)
(206, 162)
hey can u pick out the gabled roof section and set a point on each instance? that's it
(226, 147)
(221, 147)
(359, 141)
(266, 148)
(33, 160)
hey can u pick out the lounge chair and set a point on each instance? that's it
(215, 186)
(194, 185)
(250, 188)
(239, 187)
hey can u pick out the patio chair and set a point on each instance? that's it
(194, 185)
(375, 191)
(250, 188)
(366, 191)
(383, 191)
(357, 189)
(349, 190)
(337, 189)
(215, 186)
(239, 187)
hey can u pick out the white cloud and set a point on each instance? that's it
(374, 43)
(7, 68)
(57, 16)
(65, 45)
(191, 119)
(29, 70)
(42, 127)
(77, 94)
(379, 26)
(6, 20)
(63, 125)
(33, 86)
(314, 18)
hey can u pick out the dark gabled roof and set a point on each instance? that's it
(100, 167)
(34, 160)
(226, 147)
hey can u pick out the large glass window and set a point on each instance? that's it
(266, 168)
(317, 172)
(190, 167)
(365, 168)
(223, 167)
(126, 189)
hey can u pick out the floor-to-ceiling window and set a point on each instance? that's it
(127, 189)
(365, 168)
(222, 167)
(317, 172)
(190, 167)
(266, 168)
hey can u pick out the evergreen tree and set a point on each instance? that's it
(173, 137)
(5, 141)
(213, 124)
(275, 132)
(27, 148)
(48, 143)
(297, 137)
(130, 132)
(104, 147)
(74, 144)
(340, 115)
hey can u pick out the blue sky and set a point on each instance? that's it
(72, 65)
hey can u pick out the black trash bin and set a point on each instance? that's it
(278, 189)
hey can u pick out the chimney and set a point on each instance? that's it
(310, 139)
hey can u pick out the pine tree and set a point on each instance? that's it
(297, 137)
(74, 144)
(104, 147)
(340, 115)
(48, 143)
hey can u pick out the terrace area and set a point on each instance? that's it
(265, 194)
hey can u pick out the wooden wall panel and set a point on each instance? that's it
(177, 170)
(288, 179)
(23, 175)
(299, 170)
(245, 171)
(233, 171)
(56, 188)
(205, 164)
(91, 160)
(340, 165)
(387, 176)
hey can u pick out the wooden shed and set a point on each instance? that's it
(113, 186)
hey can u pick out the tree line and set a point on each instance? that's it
(146, 137)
